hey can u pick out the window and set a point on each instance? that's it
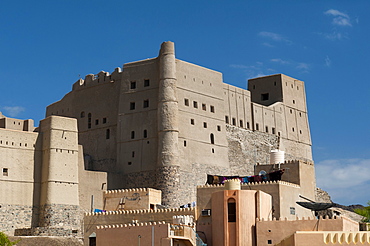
(132, 105)
(186, 102)
(219, 128)
(205, 124)
(204, 107)
(269, 241)
(292, 210)
(234, 121)
(104, 120)
(146, 104)
(184, 143)
(231, 210)
(267, 129)
(293, 101)
(241, 123)
(273, 130)
(293, 129)
(145, 134)
(107, 134)
(257, 126)
(248, 125)
(192, 121)
(146, 82)
(133, 85)
(82, 115)
(129, 163)
(89, 121)
(5, 172)
(212, 108)
(227, 119)
(264, 96)
(195, 104)
(96, 122)
(212, 137)
(132, 134)
(133, 154)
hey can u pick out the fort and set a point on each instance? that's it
(136, 143)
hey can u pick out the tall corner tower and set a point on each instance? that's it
(59, 201)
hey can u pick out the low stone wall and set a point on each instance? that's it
(60, 215)
(47, 231)
(17, 216)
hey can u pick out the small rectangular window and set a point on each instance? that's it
(5, 172)
(133, 85)
(205, 124)
(184, 143)
(132, 134)
(204, 107)
(257, 127)
(195, 104)
(146, 104)
(107, 134)
(212, 108)
(132, 105)
(292, 210)
(267, 129)
(192, 121)
(104, 120)
(146, 82)
(186, 102)
(219, 128)
(248, 125)
(133, 154)
(227, 119)
(234, 121)
(96, 122)
(241, 123)
(273, 130)
(264, 96)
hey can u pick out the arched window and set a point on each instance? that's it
(212, 137)
(82, 115)
(231, 210)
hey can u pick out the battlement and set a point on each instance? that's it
(307, 162)
(132, 224)
(344, 237)
(251, 184)
(142, 211)
(306, 218)
(96, 79)
(120, 191)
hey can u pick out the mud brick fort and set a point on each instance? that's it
(137, 144)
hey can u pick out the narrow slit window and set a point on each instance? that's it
(205, 124)
(89, 121)
(212, 108)
(145, 134)
(132, 134)
(241, 123)
(234, 121)
(212, 138)
(133, 85)
(204, 107)
(107, 134)
(231, 210)
(132, 105)
(227, 119)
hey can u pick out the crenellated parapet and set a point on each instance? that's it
(131, 224)
(244, 185)
(144, 211)
(97, 79)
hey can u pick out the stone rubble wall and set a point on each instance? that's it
(17, 216)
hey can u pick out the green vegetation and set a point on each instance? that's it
(4, 240)
(365, 212)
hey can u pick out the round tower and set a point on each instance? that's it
(168, 130)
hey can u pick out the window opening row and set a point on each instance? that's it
(205, 124)
(195, 105)
(145, 134)
(233, 122)
(145, 104)
(12, 143)
(133, 84)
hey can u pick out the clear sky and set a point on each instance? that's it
(45, 46)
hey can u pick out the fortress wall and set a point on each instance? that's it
(277, 230)
(137, 133)
(91, 221)
(237, 104)
(19, 179)
(95, 105)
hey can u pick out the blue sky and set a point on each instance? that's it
(46, 45)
